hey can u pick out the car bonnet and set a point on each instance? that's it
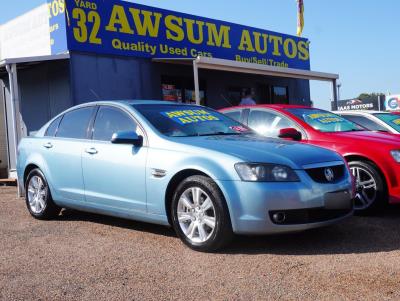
(254, 148)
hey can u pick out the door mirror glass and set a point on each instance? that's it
(290, 133)
(127, 137)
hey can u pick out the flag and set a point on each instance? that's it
(300, 17)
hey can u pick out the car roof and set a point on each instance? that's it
(135, 102)
(271, 106)
(361, 111)
(127, 102)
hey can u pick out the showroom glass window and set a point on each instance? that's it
(280, 94)
(111, 120)
(75, 123)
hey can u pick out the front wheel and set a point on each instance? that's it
(200, 215)
(371, 192)
(38, 197)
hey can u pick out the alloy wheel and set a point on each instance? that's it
(196, 215)
(37, 195)
(366, 187)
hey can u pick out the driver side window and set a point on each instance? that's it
(111, 120)
(268, 123)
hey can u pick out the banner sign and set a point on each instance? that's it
(370, 103)
(58, 41)
(190, 116)
(325, 118)
(129, 29)
(392, 102)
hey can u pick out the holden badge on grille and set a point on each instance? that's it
(329, 175)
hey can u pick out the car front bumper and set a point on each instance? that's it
(305, 204)
(394, 197)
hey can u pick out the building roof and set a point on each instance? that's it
(271, 106)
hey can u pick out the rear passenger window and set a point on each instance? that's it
(75, 123)
(365, 122)
(235, 115)
(52, 129)
(109, 121)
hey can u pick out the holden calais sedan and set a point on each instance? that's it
(373, 158)
(182, 165)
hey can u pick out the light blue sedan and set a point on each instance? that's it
(186, 166)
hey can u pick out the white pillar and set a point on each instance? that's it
(15, 122)
(196, 82)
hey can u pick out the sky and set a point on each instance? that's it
(357, 39)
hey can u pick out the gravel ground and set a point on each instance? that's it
(83, 256)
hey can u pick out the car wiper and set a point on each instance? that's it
(354, 130)
(209, 134)
(220, 133)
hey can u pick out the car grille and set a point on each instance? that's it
(318, 174)
(305, 216)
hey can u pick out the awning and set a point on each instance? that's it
(34, 59)
(251, 68)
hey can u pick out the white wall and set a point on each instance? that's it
(26, 35)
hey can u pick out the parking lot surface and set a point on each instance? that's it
(84, 256)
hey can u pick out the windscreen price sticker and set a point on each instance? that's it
(190, 116)
(325, 118)
(396, 121)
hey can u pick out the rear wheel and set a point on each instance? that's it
(200, 215)
(371, 192)
(38, 197)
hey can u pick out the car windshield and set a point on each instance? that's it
(325, 121)
(188, 120)
(391, 119)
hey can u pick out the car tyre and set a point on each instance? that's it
(38, 196)
(200, 215)
(371, 191)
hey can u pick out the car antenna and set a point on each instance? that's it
(224, 98)
(95, 94)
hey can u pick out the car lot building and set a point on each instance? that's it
(65, 53)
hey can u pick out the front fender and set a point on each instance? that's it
(383, 165)
(219, 169)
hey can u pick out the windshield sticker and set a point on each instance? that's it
(396, 121)
(239, 128)
(325, 118)
(190, 116)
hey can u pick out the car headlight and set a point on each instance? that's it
(396, 155)
(262, 172)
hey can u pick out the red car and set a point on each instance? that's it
(374, 158)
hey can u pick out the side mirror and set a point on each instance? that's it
(290, 133)
(127, 138)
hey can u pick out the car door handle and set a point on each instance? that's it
(48, 145)
(91, 151)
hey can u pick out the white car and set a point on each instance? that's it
(374, 120)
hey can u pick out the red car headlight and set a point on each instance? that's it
(395, 155)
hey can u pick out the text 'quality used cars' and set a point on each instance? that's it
(182, 165)
(374, 158)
